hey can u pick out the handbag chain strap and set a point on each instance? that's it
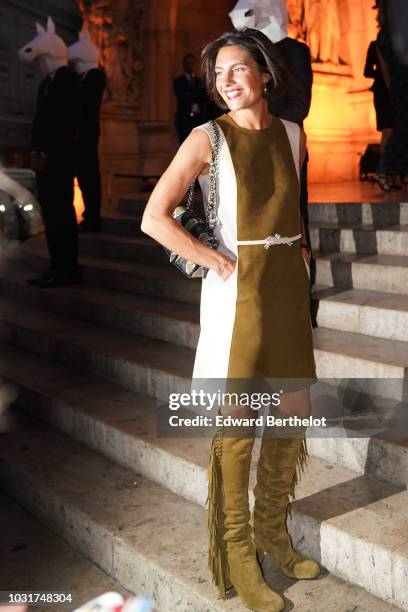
(210, 213)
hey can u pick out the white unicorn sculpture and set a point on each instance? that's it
(47, 48)
(83, 54)
(268, 16)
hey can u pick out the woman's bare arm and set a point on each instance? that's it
(191, 159)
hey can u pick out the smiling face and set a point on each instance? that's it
(239, 80)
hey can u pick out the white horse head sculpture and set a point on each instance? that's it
(83, 54)
(268, 16)
(47, 48)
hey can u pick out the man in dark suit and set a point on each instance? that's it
(191, 98)
(294, 106)
(92, 85)
(84, 57)
(54, 143)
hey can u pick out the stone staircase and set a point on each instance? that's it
(91, 362)
(62, 568)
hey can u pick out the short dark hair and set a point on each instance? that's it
(187, 57)
(261, 49)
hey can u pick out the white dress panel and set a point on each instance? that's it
(218, 297)
(293, 132)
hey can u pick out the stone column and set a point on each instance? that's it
(115, 27)
(342, 120)
(157, 136)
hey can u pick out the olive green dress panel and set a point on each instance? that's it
(272, 336)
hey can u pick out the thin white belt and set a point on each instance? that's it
(271, 240)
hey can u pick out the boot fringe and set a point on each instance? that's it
(217, 556)
(300, 467)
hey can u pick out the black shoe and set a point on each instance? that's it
(60, 280)
(34, 282)
(88, 227)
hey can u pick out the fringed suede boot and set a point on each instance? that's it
(232, 554)
(280, 466)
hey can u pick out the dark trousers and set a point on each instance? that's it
(89, 181)
(56, 197)
(304, 211)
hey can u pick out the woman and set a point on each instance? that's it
(394, 161)
(382, 102)
(255, 321)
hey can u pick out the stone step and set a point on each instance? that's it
(383, 273)
(153, 280)
(370, 313)
(379, 214)
(117, 222)
(352, 525)
(325, 239)
(332, 237)
(364, 312)
(80, 404)
(134, 361)
(158, 368)
(386, 273)
(124, 248)
(133, 204)
(62, 569)
(160, 319)
(381, 363)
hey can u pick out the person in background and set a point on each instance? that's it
(382, 101)
(84, 57)
(294, 105)
(192, 101)
(393, 167)
(54, 146)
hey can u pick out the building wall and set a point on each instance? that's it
(342, 120)
(138, 136)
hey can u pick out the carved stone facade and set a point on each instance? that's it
(116, 27)
(141, 47)
(317, 23)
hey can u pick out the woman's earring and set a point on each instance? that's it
(265, 89)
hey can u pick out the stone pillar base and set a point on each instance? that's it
(119, 144)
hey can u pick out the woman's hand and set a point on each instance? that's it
(225, 267)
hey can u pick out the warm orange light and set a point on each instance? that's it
(78, 202)
(340, 124)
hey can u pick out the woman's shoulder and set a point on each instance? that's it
(209, 128)
(208, 125)
(290, 126)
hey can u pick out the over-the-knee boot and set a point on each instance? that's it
(276, 480)
(232, 554)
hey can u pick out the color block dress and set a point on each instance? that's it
(257, 323)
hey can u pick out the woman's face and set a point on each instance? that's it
(239, 80)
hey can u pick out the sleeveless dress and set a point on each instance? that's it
(256, 325)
